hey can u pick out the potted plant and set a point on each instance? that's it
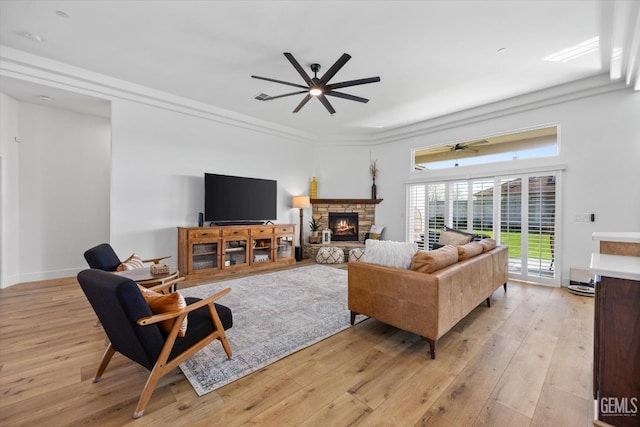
(314, 226)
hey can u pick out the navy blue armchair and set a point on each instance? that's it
(103, 257)
(133, 330)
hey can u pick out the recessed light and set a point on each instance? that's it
(46, 98)
(32, 36)
(62, 14)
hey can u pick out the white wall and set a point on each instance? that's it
(9, 194)
(342, 171)
(159, 161)
(64, 189)
(600, 145)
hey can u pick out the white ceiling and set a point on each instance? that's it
(433, 57)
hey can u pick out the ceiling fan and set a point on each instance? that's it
(468, 146)
(319, 87)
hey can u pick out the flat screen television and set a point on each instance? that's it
(239, 200)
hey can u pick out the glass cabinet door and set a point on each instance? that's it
(284, 247)
(261, 249)
(204, 256)
(235, 252)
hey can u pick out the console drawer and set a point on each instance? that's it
(199, 234)
(226, 232)
(261, 231)
(284, 229)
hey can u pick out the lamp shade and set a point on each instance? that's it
(301, 202)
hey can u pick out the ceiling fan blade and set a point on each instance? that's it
(304, 101)
(326, 104)
(347, 96)
(482, 141)
(354, 82)
(269, 98)
(279, 81)
(335, 68)
(298, 68)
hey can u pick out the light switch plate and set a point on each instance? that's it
(583, 217)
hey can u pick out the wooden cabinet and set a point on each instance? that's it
(211, 251)
(616, 358)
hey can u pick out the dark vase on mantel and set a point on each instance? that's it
(374, 191)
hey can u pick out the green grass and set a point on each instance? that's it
(539, 244)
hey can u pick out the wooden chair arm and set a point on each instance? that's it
(167, 285)
(210, 299)
(143, 321)
(156, 260)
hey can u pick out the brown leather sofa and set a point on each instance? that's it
(427, 304)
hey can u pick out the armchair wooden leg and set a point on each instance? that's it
(489, 302)
(353, 318)
(218, 325)
(225, 344)
(106, 358)
(147, 391)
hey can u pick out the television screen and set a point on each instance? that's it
(235, 199)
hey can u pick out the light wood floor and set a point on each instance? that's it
(526, 361)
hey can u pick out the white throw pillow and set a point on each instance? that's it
(390, 254)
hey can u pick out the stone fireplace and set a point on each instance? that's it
(323, 210)
(344, 226)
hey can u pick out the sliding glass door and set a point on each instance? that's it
(520, 216)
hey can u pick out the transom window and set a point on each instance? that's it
(542, 142)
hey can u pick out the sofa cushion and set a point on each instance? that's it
(389, 253)
(454, 238)
(487, 244)
(431, 261)
(469, 250)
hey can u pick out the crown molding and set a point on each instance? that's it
(591, 86)
(36, 69)
(25, 66)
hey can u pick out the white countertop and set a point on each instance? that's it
(621, 236)
(622, 267)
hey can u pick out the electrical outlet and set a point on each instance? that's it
(583, 217)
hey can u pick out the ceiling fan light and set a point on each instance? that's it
(314, 91)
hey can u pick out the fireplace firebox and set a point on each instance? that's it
(344, 226)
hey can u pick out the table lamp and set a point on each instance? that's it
(301, 202)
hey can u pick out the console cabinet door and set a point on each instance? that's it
(235, 251)
(284, 238)
(261, 249)
(204, 255)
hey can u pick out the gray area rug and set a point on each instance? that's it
(274, 315)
